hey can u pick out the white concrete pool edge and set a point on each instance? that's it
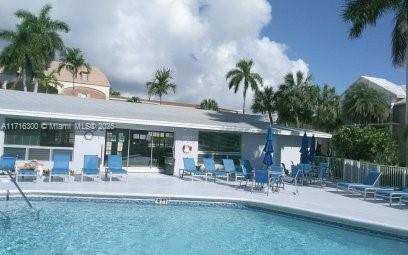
(301, 212)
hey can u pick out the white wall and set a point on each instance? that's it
(289, 149)
(82, 146)
(2, 120)
(183, 137)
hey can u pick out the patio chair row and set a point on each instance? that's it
(272, 178)
(91, 167)
(369, 185)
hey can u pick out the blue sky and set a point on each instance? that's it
(128, 40)
(314, 31)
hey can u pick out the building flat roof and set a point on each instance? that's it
(29, 104)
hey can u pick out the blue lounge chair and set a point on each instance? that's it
(229, 167)
(390, 194)
(246, 170)
(91, 167)
(296, 174)
(404, 198)
(191, 169)
(276, 176)
(370, 181)
(261, 177)
(115, 167)
(211, 169)
(322, 173)
(26, 173)
(61, 166)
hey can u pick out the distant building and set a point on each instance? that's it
(93, 84)
(396, 94)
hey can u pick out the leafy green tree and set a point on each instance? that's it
(209, 104)
(264, 102)
(328, 111)
(242, 75)
(134, 100)
(363, 13)
(73, 60)
(113, 92)
(33, 45)
(296, 99)
(49, 83)
(363, 105)
(365, 143)
(161, 83)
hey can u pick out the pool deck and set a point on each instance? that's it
(311, 201)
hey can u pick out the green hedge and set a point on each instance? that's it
(366, 144)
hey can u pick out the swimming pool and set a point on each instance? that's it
(143, 227)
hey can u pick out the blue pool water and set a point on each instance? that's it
(78, 227)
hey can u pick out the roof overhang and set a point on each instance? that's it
(65, 116)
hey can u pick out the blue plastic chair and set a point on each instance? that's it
(8, 163)
(91, 167)
(61, 166)
(190, 168)
(261, 177)
(210, 168)
(323, 172)
(229, 167)
(277, 176)
(370, 181)
(246, 170)
(115, 167)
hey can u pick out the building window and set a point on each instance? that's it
(219, 146)
(33, 134)
(84, 76)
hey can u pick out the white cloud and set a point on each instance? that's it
(200, 40)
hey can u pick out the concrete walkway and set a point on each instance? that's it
(315, 202)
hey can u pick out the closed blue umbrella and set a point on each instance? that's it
(304, 150)
(268, 149)
(312, 150)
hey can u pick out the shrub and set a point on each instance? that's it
(365, 143)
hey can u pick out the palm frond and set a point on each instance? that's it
(400, 36)
(364, 13)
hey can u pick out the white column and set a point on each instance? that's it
(2, 121)
(184, 137)
(86, 144)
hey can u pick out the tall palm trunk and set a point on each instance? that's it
(24, 80)
(160, 97)
(243, 105)
(35, 85)
(270, 117)
(406, 103)
(73, 84)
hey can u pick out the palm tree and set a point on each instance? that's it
(33, 45)
(362, 13)
(161, 83)
(242, 74)
(295, 99)
(363, 105)
(49, 82)
(73, 60)
(264, 102)
(209, 104)
(327, 116)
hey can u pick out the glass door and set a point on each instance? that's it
(116, 143)
(140, 148)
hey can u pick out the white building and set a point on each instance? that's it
(35, 126)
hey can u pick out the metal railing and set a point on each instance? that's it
(355, 171)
